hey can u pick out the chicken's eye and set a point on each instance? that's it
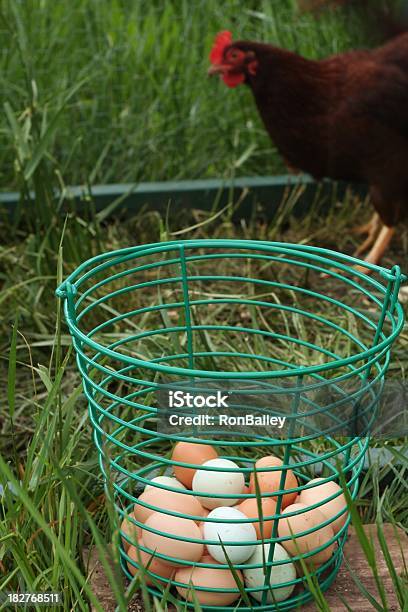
(233, 54)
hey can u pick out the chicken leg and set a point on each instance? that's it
(371, 228)
(379, 248)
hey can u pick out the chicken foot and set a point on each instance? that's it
(372, 229)
(367, 228)
(379, 248)
(375, 255)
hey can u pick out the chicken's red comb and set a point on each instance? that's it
(222, 40)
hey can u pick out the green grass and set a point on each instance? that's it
(143, 108)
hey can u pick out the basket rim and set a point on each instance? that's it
(318, 255)
(300, 249)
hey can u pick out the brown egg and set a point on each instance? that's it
(167, 500)
(132, 531)
(318, 495)
(201, 526)
(305, 520)
(167, 545)
(249, 507)
(149, 561)
(190, 452)
(270, 481)
(208, 578)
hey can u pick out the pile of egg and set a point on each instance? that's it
(199, 493)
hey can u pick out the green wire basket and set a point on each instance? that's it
(295, 324)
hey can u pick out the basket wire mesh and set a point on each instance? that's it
(244, 314)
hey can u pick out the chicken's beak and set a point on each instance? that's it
(216, 69)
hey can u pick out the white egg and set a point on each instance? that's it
(217, 483)
(279, 574)
(167, 481)
(230, 532)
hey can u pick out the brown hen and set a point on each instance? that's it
(344, 117)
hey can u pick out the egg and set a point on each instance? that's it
(190, 452)
(250, 508)
(270, 481)
(279, 574)
(218, 483)
(298, 544)
(167, 481)
(167, 500)
(318, 495)
(165, 544)
(208, 578)
(132, 531)
(149, 561)
(201, 526)
(230, 532)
